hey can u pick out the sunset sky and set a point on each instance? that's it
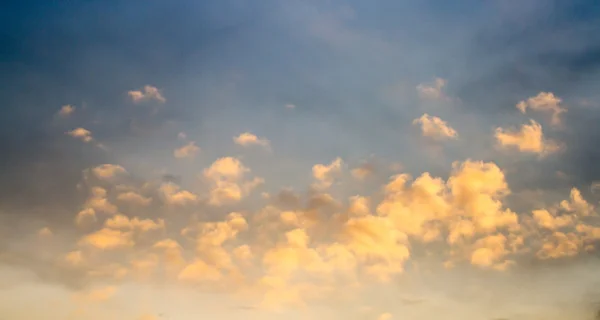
(300, 159)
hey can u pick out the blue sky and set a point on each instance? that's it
(313, 81)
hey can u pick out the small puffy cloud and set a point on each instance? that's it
(125, 223)
(560, 245)
(107, 238)
(546, 220)
(325, 174)
(66, 110)
(99, 202)
(545, 102)
(74, 258)
(489, 251)
(225, 168)
(433, 91)
(290, 106)
(98, 295)
(85, 217)
(530, 138)
(173, 195)
(134, 198)
(146, 93)
(435, 128)
(228, 182)
(81, 134)
(247, 139)
(385, 316)
(363, 171)
(108, 171)
(577, 204)
(187, 151)
(199, 271)
(45, 232)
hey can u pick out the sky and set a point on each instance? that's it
(315, 159)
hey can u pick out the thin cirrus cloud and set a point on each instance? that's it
(472, 234)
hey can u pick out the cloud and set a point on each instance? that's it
(530, 138)
(187, 151)
(326, 174)
(106, 239)
(98, 295)
(81, 134)
(544, 102)
(290, 106)
(173, 195)
(385, 316)
(435, 128)
(363, 171)
(108, 171)
(489, 251)
(45, 232)
(66, 110)
(228, 183)
(134, 198)
(247, 139)
(147, 93)
(546, 220)
(457, 231)
(432, 91)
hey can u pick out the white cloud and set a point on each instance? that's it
(546, 102)
(435, 128)
(172, 194)
(108, 171)
(81, 134)
(247, 139)
(530, 138)
(325, 174)
(187, 151)
(146, 93)
(66, 110)
(433, 91)
(228, 183)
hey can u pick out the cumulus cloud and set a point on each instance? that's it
(363, 171)
(66, 110)
(228, 182)
(81, 134)
(544, 102)
(247, 139)
(187, 151)
(529, 138)
(455, 231)
(134, 198)
(148, 92)
(435, 127)
(434, 90)
(174, 195)
(108, 171)
(325, 174)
